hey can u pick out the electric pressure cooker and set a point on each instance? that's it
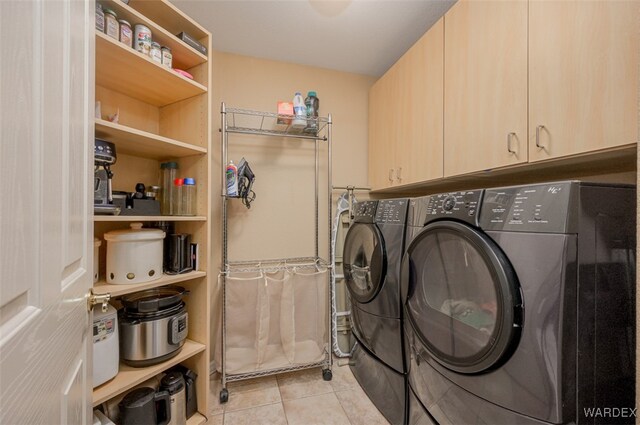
(153, 325)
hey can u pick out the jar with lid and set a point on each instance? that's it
(142, 39)
(156, 53)
(167, 57)
(189, 204)
(126, 35)
(112, 27)
(99, 17)
(176, 196)
(168, 172)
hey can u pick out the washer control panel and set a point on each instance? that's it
(365, 211)
(459, 205)
(534, 208)
(392, 211)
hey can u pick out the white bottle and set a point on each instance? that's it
(300, 111)
(232, 180)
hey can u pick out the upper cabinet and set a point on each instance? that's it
(485, 85)
(406, 116)
(583, 76)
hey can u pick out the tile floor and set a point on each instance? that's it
(296, 398)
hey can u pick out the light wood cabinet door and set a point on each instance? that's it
(485, 85)
(583, 76)
(381, 140)
(420, 130)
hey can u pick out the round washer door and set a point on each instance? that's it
(464, 300)
(364, 261)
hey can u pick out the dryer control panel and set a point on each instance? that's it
(365, 211)
(462, 205)
(392, 211)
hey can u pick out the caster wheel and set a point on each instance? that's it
(327, 375)
(224, 395)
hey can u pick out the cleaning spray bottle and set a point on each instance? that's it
(232, 180)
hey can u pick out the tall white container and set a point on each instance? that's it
(134, 255)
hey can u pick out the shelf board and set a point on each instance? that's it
(102, 287)
(124, 70)
(170, 17)
(184, 56)
(131, 141)
(128, 377)
(125, 218)
(196, 419)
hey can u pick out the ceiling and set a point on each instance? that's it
(358, 36)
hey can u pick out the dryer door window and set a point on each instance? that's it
(464, 299)
(365, 262)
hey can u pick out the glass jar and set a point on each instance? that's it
(99, 17)
(176, 197)
(112, 27)
(126, 35)
(189, 204)
(156, 53)
(142, 39)
(168, 172)
(167, 57)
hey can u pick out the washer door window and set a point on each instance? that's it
(365, 262)
(464, 299)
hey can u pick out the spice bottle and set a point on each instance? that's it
(99, 17)
(156, 53)
(112, 28)
(189, 196)
(126, 35)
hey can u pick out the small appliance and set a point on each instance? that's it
(145, 406)
(104, 157)
(179, 253)
(173, 383)
(153, 325)
(105, 345)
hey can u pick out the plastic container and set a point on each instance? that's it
(176, 197)
(134, 255)
(112, 27)
(168, 171)
(155, 52)
(232, 180)
(167, 57)
(189, 193)
(142, 39)
(313, 107)
(300, 111)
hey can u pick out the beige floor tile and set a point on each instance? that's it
(272, 414)
(216, 419)
(322, 409)
(245, 394)
(359, 409)
(215, 408)
(343, 378)
(303, 383)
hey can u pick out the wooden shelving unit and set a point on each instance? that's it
(163, 116)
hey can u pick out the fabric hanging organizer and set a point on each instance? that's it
(276, 319)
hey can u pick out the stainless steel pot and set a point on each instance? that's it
(152, 335)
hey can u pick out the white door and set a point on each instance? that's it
(46, 130)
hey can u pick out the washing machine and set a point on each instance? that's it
(520, 305)
(372, 256)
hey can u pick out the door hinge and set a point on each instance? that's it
(95, 299)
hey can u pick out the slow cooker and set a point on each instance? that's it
(153, 325)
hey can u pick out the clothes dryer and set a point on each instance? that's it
(372, 256)
(520, 305)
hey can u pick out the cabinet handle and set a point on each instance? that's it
(509, 136)
(399, 174)
(391, 175)
(538, 128)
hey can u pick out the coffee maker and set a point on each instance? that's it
(104, 157)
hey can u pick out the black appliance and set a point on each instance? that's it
(521, 304)
(190, 384)
(145, 406)
(178, 258)
(372, 256)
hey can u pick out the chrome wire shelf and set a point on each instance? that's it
(257, 374)
(269, 266)
(245, 121)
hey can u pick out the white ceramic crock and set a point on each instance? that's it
(134, 255)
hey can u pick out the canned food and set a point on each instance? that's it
(112, 28)
(126, 35)
(167, 58)
(156, 53)
(142, 39)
